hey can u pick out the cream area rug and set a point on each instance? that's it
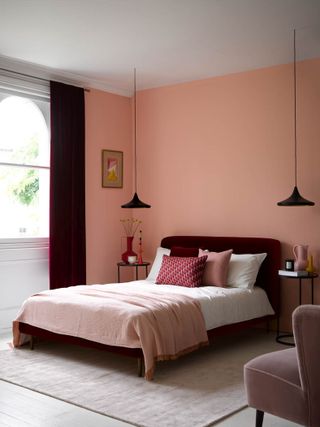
(196, 390)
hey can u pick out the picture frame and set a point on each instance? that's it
(112, 169)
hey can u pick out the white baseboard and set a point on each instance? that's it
(7, 315)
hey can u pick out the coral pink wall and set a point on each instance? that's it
(108, 126)
(215, 156)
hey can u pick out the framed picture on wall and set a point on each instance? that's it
(112, 169)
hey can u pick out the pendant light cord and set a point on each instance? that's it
(135, 202)
(135, 131)
(295, 199)
(295, 108)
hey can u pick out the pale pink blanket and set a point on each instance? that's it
(163, 325)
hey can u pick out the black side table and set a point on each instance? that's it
(136, 265)
(310, 277)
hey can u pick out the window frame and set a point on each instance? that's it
(15, 84)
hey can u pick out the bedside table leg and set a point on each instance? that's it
(299, 291)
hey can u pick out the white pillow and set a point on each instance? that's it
(157, 263)
(243, 270)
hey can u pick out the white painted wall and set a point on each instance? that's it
(24, 270)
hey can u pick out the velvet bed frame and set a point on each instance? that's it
(267, 279)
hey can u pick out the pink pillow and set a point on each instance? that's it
(181, 271)
(216, 270)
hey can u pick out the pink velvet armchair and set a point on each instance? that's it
(286, 383)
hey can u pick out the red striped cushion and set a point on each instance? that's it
(181, 271)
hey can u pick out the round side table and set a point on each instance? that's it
(301, 279)
(135, 265)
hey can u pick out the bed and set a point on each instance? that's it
(266, 289)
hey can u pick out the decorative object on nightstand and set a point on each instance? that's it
(140, 260)
(129, 252)
(300, 253)
(286, 273)
(130, 227)
(289, 264)
(295, 199)
(132, 259)
(310, 267)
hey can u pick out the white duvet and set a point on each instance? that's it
(220, 306)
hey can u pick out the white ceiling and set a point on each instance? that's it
(99, 42)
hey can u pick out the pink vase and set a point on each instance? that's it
(129, 251)
(300, 253)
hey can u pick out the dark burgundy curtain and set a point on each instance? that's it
(67, 242)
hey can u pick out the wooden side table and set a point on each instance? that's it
(136, 265)
(310, 277)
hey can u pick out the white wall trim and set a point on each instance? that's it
(23, 250)
(24, 242)
(58, 75)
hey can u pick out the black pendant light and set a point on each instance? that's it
(135, 202)
(295, 199)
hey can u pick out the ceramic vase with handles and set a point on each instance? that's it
(300, 253)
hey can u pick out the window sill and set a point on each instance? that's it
(24, 249)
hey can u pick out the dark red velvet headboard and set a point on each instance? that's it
(267, 278)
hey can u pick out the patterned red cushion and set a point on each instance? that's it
(181, 271)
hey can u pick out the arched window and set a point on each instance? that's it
(24, 166)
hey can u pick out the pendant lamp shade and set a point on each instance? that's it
(135, 203)
(295, 199)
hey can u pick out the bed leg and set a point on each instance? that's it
(140, 366)
(31, 342)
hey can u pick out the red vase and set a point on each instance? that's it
(129, 251)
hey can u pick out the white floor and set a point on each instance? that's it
(21, 407)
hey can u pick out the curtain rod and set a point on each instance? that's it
(33, 77)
